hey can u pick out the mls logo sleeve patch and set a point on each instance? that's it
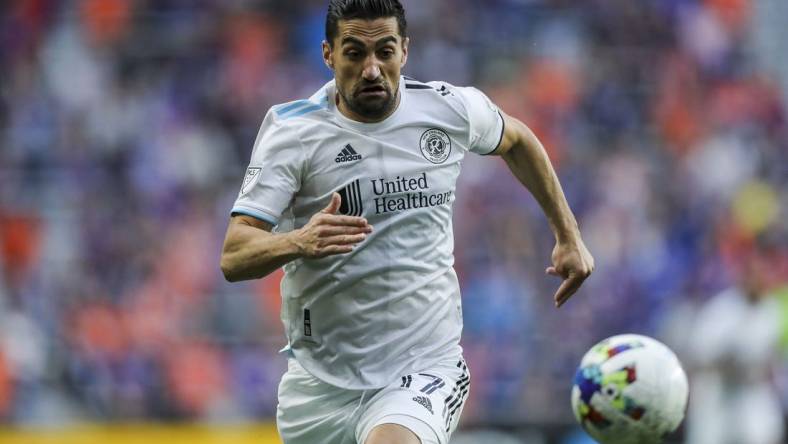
(250, 179)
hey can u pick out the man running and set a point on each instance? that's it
(359, 181)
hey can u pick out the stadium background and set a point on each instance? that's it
(125, 128)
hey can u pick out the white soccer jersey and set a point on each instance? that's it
(392, 306)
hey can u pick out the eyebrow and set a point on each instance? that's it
(354, 41)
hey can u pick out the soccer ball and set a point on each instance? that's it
(629, 389)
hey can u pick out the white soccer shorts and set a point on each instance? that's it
(429, 403)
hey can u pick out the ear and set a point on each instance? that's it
(404, 52)
(327, 55)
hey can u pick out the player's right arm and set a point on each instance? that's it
(252, 251)
(251, 248)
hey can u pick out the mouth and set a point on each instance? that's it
(373, 90)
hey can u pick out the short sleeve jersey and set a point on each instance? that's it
(392, 306)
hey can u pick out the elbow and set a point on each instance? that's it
(228, 270)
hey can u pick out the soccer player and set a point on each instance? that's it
(734, 344)
(358, 181)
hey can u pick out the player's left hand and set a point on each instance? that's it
(573, 263)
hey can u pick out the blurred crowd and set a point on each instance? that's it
(126, 126)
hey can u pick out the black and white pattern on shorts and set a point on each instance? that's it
(454, 402)
(427, 384)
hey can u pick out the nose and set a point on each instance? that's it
(371, 69)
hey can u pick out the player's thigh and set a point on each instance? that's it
(392, 434)
(311, 411)
(428, 403)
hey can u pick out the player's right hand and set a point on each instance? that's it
(329, 233)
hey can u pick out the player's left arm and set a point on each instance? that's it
(528, 161)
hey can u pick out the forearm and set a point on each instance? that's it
(252, 253)
(528, 161)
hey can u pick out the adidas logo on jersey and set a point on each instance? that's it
(348, 154)
(425, 401)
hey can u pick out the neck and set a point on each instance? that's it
(350, 114)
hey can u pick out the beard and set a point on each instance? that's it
(372, 107)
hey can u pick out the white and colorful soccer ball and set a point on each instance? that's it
(629, 389)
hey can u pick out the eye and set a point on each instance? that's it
(386, 53)
(353, 54)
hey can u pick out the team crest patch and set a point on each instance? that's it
(252, 174)
(435, 145)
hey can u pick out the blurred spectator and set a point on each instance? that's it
(6, 387)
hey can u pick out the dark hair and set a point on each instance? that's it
(363, 9)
